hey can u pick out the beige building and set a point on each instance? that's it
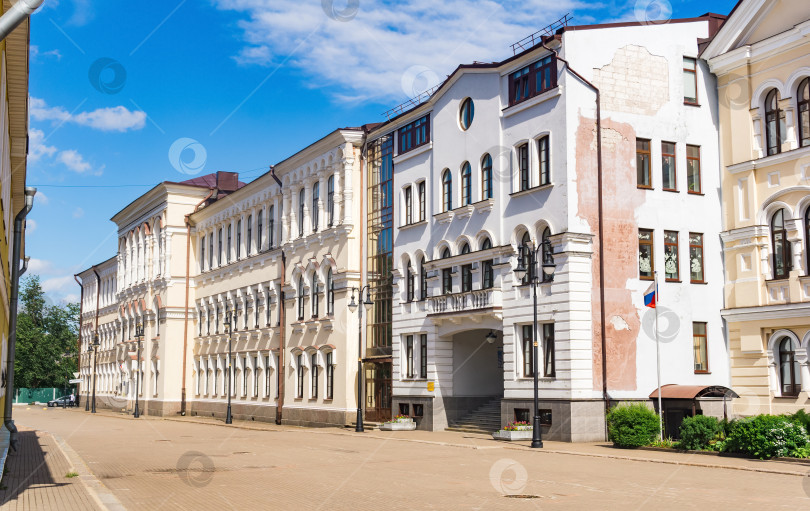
(761, 57)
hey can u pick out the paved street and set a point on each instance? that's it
(174, 464)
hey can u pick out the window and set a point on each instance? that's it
(315, 300)
(693, 183)
(774, 123)
(316, 209)
(423, 356)
(447, 190)
(229, 245)
(699, 342)
(330, 293)
(414, 134)
(466, 184)
(300, 368)
(643, 163)
(300, 298)
(466, 113)
(330, 376)
(267, 376)
(523, 166)
(408, 206)
(486, 177)
(239, 239)
(202, 256)
(244, 376)
(314, 375)
(271, 221)
(409, 283)
(526, 249)
(646, 264)
(301, 199)
(422, 209)
(487, 276)
(211, 250)
(409, 355)
(447, 275)
(546, 235)
(803, 95)
(696, 258)
(259, 231)
(807, 236)
(543, 160)
(219, 247)
(528, 366)
(519, 86)
(690, 80)
(422, 280)
(671, 266)
(668, 167)
(330, 200)
(545, 74)
(249, 233)
(255, 376)
(789, 371)
(549, 358)
(466, 272)
(781, 246)
(533, 80)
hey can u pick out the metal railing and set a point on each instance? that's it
(535, 38)
(414, 101)
(466, 301)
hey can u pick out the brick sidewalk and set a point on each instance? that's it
(36, 479)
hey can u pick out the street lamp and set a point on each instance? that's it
(96, 344)
(530, 251)
(230, 319)
(139, 336)
(352, 307)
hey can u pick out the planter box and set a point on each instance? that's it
(512, 436)
(408, 425)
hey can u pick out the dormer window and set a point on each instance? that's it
(533, 79)
(414, 134)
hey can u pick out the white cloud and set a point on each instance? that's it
(78, 213)
(40, 266)
(117, 118)
(74, 161)
(59, 285)
(368, 55)
(30, 226)
(37, 147)
(34, 50)
(71, 298)
(40, 198)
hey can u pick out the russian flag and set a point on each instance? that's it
(650, 296)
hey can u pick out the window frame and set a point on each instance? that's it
(271, 223)
(487, 270)
(671, 156)
(330, 293)
(249, 235)
(423, 280)
(409, 283)
(549, 351)
(301, 298)
(314, 301)
(330, 376)
(259, 230)
(229, 245)
(466, 184)
(408, 205)
(466, 272)
(447, 275)
(413, 135)
(238, 239)
(302, 200)
(651, 250)
(527, 345)
(693, 72)
(330, 200)
(267, 376)
(795, 379)
(543, 161)
(776, 116)
(466, 113)
(202, 255)
(409, 362)
(314, 375)
(423, 356)
(696, 347)
(447, 190)
(803, 111)
(523, 165)
(211, 250)
(524, 83)
(219, 242)
(300, 376)
(675, 244)
(422, 198)
(486, 177)
(643, 155)
(316, 210)
(787, 255)
(692, 247)
(691, 167)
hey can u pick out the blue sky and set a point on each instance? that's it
(115, 84)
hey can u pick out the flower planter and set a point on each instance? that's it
(399, 425)
(512, 436)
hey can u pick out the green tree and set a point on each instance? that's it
(46, 339)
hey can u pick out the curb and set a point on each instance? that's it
(102, 496)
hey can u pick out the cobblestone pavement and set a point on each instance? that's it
(197, 464)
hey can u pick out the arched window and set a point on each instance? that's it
(228, 246)
(487, 275)
(211, 250)
(202, 254)
(546, 234)
(466, 184)
(789, 371)
(315, 301)
(807, 238)
(803, 95)
(301, 298)
(330, 293)
(422, 280)
(447, 275)
(466, 271)
(774, 123)
(314, 364)
(409, 282)
(486, 177)
(249, 234)
(330, 200)
(466, 113)
(316, 197)
(239, 238)
(526, 247)
(780, 246)
(301, 199)
(271, 222)
(447, 190)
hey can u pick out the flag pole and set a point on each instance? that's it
(658, 361)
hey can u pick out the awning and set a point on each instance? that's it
(674, 391)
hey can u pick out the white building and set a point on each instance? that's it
(506, 153)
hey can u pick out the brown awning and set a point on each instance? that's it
(673, 391)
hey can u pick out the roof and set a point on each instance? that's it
(674, 391)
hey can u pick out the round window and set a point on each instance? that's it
(466, 113)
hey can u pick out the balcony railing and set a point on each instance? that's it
(467, 301)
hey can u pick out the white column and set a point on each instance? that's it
(338, 197)
(278, 205)
(348, 192)
(307, 207)
(167, 253)
(291, 213)
(323, 219)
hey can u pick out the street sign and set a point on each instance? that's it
(77, 380)
(75, 375)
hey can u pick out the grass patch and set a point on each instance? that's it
(72, 474)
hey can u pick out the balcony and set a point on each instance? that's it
(468, 305)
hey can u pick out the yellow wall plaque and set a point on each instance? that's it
(430, 386)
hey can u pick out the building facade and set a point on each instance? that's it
(761, 58)
(506, 155)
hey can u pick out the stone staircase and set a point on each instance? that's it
(483, 420)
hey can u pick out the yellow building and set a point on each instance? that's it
(761, 57)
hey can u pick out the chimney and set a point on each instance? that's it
(227, 181)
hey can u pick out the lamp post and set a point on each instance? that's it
(352, 307)
(230, 319)
(530, 252)
(87, 401)
(139, 336)
(95, 356)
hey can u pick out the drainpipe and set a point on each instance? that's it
(18, 13)
(185, 321)
(12, 306)
(79, 340)
(600, 222)
(282, 316)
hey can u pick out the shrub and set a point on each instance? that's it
(632, 426)
(767, 436)
(802, 418)
(698, 431)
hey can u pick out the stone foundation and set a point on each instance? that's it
(571, 421)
